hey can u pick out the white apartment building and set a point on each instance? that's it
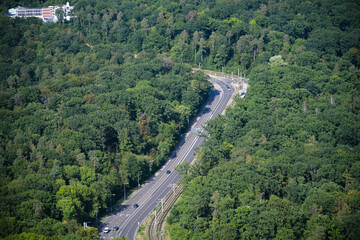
(47, 14)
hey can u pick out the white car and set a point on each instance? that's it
(106, 230)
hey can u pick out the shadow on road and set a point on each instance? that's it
(212, 97)
(214, 93)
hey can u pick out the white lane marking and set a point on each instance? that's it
(161, 181)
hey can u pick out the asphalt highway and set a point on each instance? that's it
(127, 217)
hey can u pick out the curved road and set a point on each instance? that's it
(128, 218)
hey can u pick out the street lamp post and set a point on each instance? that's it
(150, 163)
(123, 180)
(138, 179)
(113, 194)
(97, 209)
(124, 193)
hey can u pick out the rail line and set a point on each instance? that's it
(154, 229)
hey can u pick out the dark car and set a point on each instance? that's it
(136, 205)
(168, 172)
(115, 228)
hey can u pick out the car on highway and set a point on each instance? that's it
(106, 230)
(168, 172)
(129, 217)
(115, 228)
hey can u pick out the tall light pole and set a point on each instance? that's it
(162, 205)
(150, 163)
(124, 193)
(138, 179)
(124, 182)
(113, 194)
(97, 209)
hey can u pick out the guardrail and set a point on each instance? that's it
(154, 229)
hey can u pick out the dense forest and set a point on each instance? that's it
(83, 115)
(284, 163)
(89, 105)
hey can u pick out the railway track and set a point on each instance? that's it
(155, 193)
(154, 229)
